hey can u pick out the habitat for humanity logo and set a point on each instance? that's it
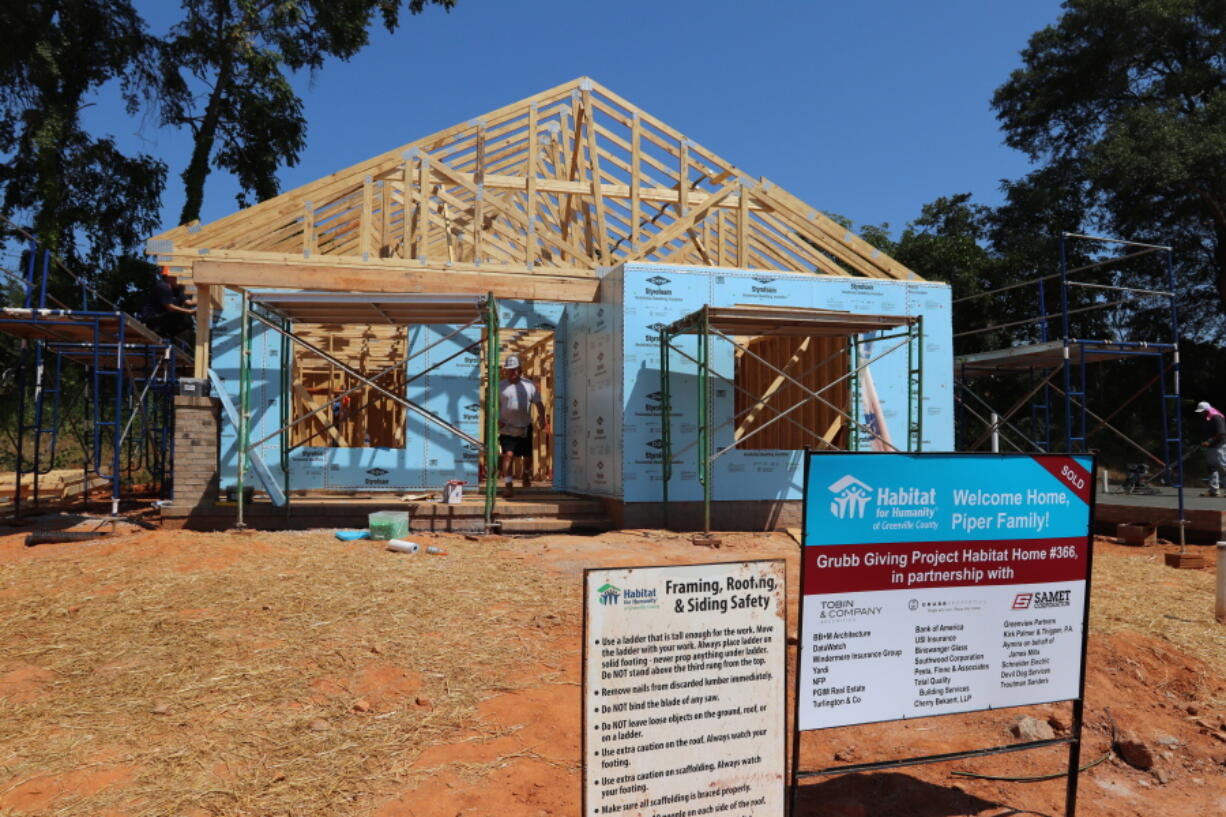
(851, 497)
(609, 594)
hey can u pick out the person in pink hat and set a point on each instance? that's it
(1215, 447)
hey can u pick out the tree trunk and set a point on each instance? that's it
(197, 171)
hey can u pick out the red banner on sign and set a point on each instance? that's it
(1070, 473)
(914, 565)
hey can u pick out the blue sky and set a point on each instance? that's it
(869, 110)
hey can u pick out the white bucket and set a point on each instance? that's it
(453, 492)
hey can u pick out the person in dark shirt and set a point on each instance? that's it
(168, 310)
(1215, 447)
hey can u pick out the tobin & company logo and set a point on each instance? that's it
(851, 497)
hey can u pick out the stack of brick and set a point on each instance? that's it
(196, 427)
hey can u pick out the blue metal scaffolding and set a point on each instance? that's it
(129, 381)
(1057, 395)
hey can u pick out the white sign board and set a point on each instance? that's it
(940, 583)
(684, 690)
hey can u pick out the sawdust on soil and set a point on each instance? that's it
(195, 674)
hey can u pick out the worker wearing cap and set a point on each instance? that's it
(167, 311)
(1215, 447)
(517, 396)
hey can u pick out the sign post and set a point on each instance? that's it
(683, 690)
(943, 583)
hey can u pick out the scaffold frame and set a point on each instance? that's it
(727, 323)
(130, 380)
(262, 308)
(1060, 354)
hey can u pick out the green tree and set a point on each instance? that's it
(85, 199)
(1132, 94)
(948, 242)
(226, 71)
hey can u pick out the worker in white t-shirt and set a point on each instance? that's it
(516, 397)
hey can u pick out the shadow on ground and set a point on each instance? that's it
(899, 795)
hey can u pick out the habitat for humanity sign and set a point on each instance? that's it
(938, 583)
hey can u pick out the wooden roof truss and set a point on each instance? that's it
(559, 184)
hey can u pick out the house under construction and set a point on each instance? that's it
(692, 328)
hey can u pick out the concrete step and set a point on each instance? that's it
(513, 507)
(584, 524)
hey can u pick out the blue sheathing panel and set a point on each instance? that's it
(606, 416)
(656, 295)
(265, 395)
(431, 455)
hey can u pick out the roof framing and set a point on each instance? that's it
(527, 201)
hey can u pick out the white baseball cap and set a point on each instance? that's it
(1202, 407)
(512, 362)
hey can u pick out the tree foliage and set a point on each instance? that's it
(86, 200)
(226, 71)
(1131, 95)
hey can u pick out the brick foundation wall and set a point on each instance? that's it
(196, 436)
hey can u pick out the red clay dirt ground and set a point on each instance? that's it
(160, 673)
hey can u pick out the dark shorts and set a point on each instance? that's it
(168, 324)
(516, 446)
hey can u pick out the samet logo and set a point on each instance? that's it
(851, 497)
(376, 472)
(1044, 599)
(1022, 601)
(608, 593)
